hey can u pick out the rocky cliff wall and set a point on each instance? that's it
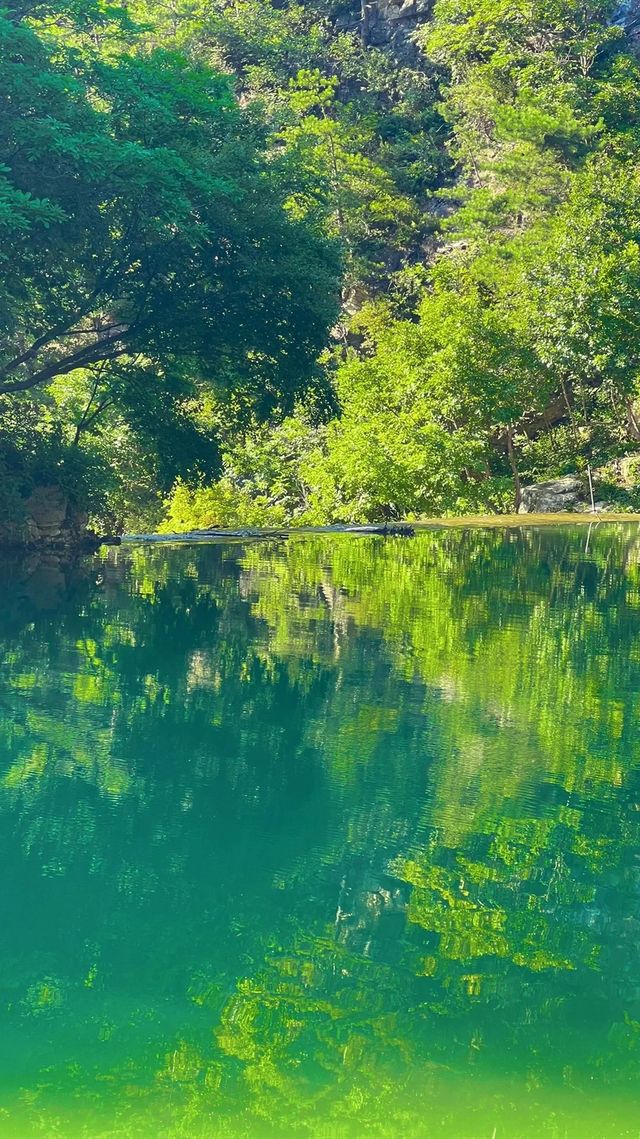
(46, 516)
(392, 23)
(386, 23)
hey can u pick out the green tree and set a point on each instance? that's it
(146, 228)
(330, 143)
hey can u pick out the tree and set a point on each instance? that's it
(360, 128)
(522, 100)
(145, 227)
(330, 144)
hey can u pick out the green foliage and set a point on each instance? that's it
(151, 227)
(269, 479)
(515, 358)
(361, 134)
(330, 143)
(218, 506)
(187, 190)
(147, 240)
(34, 452)
(522, 98)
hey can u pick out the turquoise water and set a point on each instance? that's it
(334, 837)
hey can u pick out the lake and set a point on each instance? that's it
(335, 837)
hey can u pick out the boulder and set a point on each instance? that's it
(45, 516)
(553, 497)
(46, 510)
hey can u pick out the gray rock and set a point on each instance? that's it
(553, 497)
(387, 24)
(599, 507)
(47, 508)
(46, 517)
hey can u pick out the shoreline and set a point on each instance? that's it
(391, 530)
(91, 543)
(513, 521)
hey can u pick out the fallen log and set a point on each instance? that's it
(386, 529)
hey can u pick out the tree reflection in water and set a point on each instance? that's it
(331, 837)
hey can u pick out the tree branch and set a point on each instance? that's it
(83, 418)
(65, 327)
(91, 354)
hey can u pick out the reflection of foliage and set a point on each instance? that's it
(43, 996)
(542, 633)
(319, 1033)
(462, 903)
(386, 792)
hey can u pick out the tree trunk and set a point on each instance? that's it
(633, 427)
(364, 22)
(517, 485)
(567, 401)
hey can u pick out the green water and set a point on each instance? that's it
(334, 837)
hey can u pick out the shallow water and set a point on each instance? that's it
(334, 838)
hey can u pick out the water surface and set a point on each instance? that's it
(332, 838)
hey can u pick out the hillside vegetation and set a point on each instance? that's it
(270, 263)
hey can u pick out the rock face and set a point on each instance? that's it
(553, 497)
(627, 16)
(46, 511)
(386, 23)
(47, 517)
(392, 23)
